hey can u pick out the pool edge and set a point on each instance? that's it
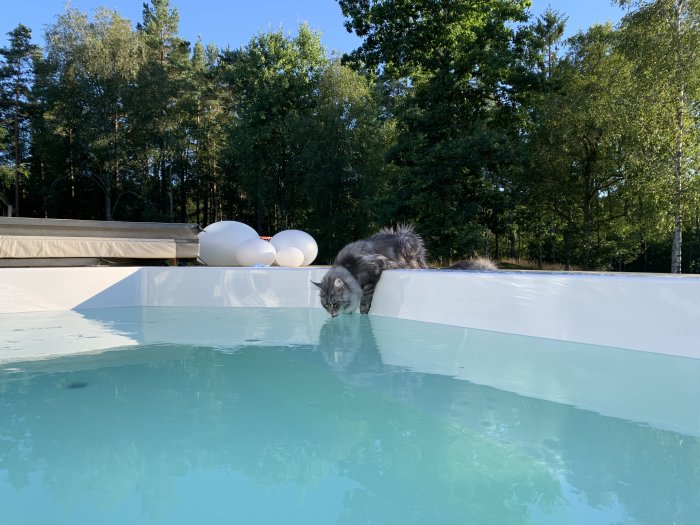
(653, 313)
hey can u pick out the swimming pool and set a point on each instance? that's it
(177, 397)
(258, 415)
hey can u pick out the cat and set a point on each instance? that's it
(358, 266)
(478, 263)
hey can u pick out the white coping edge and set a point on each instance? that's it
(653, 313)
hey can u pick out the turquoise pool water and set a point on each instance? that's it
(252, 416)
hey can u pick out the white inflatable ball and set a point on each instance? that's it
(290, 257)
(218, 242)
(255, 252)
(296, 239)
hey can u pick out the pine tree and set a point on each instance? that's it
(207, 140)
(162, 84)
(16, 77)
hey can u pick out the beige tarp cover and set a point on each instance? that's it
(25, 238)
(47, 247)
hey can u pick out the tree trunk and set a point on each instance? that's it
(108, 204)
(18, 155)
(676, 249)
(171, 206)
(587, 233)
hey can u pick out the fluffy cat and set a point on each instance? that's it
(351, 280)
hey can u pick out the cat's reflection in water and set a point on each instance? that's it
(347, 344)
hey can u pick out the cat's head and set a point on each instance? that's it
(337, 295)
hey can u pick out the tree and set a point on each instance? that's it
(661, 37)
(548, 32)
(162, 86)
(94, 65)
(346, 176)
(457, 107)
(205, 107)
(581, 145)
(529, 220)
(271, 85)
(16, 77)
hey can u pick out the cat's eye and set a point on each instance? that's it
(335, 306)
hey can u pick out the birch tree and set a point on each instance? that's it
(94, 63)
(662, 38)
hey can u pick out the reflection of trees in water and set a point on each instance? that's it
(449, 451)
(139, 428)
(653, 474)
(609, 460)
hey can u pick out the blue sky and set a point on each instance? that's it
(233, 22)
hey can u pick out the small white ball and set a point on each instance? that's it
(296, 239)
(290, 257)
(218, 242)
(254, 252)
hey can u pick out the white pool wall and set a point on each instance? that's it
(653, 313)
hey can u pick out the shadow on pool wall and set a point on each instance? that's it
(268, 430)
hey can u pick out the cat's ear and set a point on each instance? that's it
(317, 284)
(338, 283)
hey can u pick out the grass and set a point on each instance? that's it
(523, 264)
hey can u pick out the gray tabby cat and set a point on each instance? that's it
(356, 270)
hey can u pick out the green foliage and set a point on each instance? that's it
(661, 38)
(456, 118)
(470, 120)
(604, 144)
(343, 156)
(271, 84)
(92, 66)
(16, 107)
(305, 142)
(161, 114)
(575, 150)
(204, 107)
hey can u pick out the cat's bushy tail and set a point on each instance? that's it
(409, 245)
(478, 263)
(399, 229)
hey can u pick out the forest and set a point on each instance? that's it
(472, 120)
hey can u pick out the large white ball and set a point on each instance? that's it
(296, 239)
(218, 242)
(290, 257)
(255, 252)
